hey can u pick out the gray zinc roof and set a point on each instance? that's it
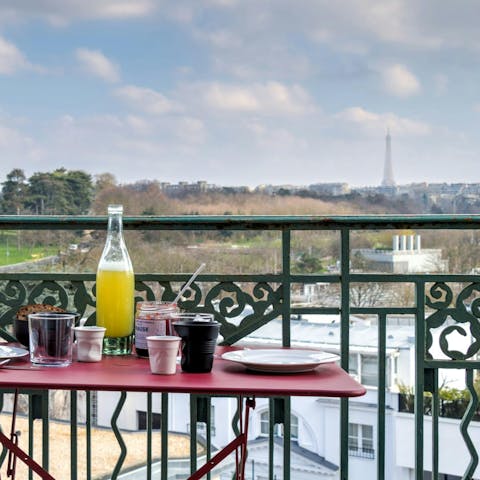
(363, 335)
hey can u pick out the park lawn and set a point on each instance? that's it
(12, 254)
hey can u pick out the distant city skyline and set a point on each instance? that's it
(241, 92)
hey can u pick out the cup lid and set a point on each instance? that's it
(196, 323)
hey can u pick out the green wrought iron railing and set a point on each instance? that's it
(440, 300)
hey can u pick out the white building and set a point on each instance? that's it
(406, 256)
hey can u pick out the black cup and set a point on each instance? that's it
(199, 339)
(20, 330)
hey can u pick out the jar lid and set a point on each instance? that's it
(155, 305)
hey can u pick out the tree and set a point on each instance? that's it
(80, 189)
(14, 192)
(104, 180)
(367, 294)
(308, 263)
(60, 192)
(48, 195)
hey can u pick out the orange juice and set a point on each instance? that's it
(115, 300)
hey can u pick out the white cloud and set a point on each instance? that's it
(361, 23)
(372, 122)
(222, 3)
(399, 81)
(343, 24)
(139, 125)
(425, 25)
(276, 139)
(388, 21)
(12, 59)
(222, 38)
(97, 64)
(261, 98)
(121, 9)
(145, 100)
(190, 130)
(428, 24)
(224, 97)
(10, 137)
(16, 146)
(180, 13)
(60, 12)
(102, 143)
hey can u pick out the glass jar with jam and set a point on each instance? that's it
(152, 318)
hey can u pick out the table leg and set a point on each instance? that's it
(12, 459)
(24, 457)
(14, 451)
(238, 444)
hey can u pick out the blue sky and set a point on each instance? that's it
(241, 92)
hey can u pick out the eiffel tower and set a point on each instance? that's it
(388, 180)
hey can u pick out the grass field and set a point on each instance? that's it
(12, 254)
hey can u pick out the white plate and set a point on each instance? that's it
(278, 360)
(12, 352)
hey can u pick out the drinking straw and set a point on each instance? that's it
(192, 278)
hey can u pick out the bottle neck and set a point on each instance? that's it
(115, 227)
(115, 249)
(115, 255)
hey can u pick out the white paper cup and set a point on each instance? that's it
(162, 353)
(89, 343)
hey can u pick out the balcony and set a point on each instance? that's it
(367, 438)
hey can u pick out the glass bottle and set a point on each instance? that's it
(115, 288)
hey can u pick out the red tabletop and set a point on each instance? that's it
(130, 373)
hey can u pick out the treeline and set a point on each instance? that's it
(60, 192)
(75, 192)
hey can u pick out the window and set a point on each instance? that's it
(353, 364)
(369, 370)
(395, 366)
(142, 420)
(202, 427)
(264, 423)
(360, 440)
(278, 429)
(365, 369)
(294, 427)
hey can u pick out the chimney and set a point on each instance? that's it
(410, 242)
(418, 242)
(395, 243)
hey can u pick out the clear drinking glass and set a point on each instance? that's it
(51, 338)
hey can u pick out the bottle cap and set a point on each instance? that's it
(115, 209)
